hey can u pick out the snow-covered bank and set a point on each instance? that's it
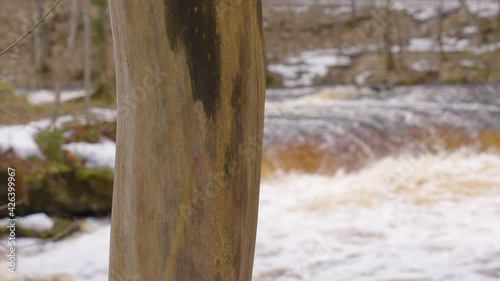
(328, 46)
(301, 70)
(419, 10)
(21, 139)
(309, 66)
(428, 218)
(42, 97)
(39, 222)
(94, 155)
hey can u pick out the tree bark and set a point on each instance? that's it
(389, 58)
(40, 48)
(401, 40)
(104, 83)
(190, 85)
(474, 20)
(61, 74)
(442, 54)
(87, 62)
(354, 16)
(498, 21)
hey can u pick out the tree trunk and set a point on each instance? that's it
(317, 12)
(87, 63)
(498, 21)
(40, 49)
(473, 19)
(442, 54)
(61, 74)
(401, 40)
(190, 84)
(353, 12)
(389, 58)
(104, 83)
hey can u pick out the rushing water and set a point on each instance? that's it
(422, 204)
(433, 217)
(392, 185)
(348, 128)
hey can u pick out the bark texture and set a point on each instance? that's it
(87, 60)
(190, 82)
(40, 41)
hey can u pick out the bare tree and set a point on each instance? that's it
(474, 20)
(99, 47)
(87, 63)
(401, 39)
(317, 12)
(389, 58)
(61, 75)
(354, 12)
(40, 51)
(442, 54)
(30, 31)
(498, 21)
(190, 85)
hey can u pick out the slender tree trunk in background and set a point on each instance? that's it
(40, 49)
(470, 15)
(340, 52)
(190, 85)
(104, 84)
(353, 12)
(317, 12)
(473, 19)
(87, 63)
(104, 79)
(498, 21)
(61, 74)
(389, 58)
(442, 54)
(401, 40)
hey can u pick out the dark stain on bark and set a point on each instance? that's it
(193, 24)
(236, 120)
(227, 165)
(235, 95)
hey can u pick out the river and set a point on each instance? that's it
(422, 200)
(398, 184)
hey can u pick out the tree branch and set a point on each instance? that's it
(31, 29)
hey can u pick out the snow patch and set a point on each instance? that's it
(42, 97)
(303, 69)
(360, 79)
(21, 139)
(39, 222)
(423, 65)
(84, 257)
(470, 29)
(94, 155)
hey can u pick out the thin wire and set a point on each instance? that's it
(31, 29)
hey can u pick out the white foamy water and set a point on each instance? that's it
(429, 218)
(434, 217)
